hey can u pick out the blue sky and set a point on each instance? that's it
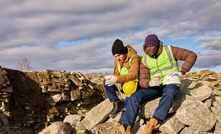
(75, 35)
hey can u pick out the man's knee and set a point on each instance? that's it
(171, 89)
(104, 82)
(134, 98)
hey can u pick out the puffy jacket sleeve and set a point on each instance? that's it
(185, 55)
(134, 71)
(144, 76)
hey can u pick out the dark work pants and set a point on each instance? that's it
(110, 90)
(168, 94)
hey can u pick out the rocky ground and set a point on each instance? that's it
(53, 102)
(31, 101)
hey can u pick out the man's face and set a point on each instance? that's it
(120, 57)
(150, 50)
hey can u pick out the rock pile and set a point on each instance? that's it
(196, 110)
(51, 101)
(207, 77)
(31, 101)
(5, 95)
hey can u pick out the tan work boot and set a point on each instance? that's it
(150, 126)
(122, 130)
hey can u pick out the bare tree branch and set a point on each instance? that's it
(24, 65)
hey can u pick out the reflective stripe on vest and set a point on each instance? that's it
(164, 63)
(124, 70)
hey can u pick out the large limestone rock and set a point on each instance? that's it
(80, 129)
(73, 120)
(58, 128)
(196, 115)
(188, 130)
(98, 114)
(172, 126)
(106, 128)
(217, 128)
(201, 93)
(147, 109)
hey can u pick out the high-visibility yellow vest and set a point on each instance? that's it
(163, 64)
(130, 86)
(124, 70)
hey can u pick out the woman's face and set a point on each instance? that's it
(150, 50)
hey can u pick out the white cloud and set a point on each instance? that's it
(32, 29)
(204, 38)
(208, 59)
(211, 43)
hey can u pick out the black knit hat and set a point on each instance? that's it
(118, 47)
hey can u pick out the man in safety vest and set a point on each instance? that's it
(126, 70)
(160, 60)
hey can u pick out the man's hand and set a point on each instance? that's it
(111, 81)
(174, 73)
(154, 82)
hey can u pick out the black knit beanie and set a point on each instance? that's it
(118, 47)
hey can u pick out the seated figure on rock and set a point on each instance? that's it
(159, 77)
(126, 73)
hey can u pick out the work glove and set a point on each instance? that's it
(111, 81)
(107, 78)
(174, 73)
(154, 82)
